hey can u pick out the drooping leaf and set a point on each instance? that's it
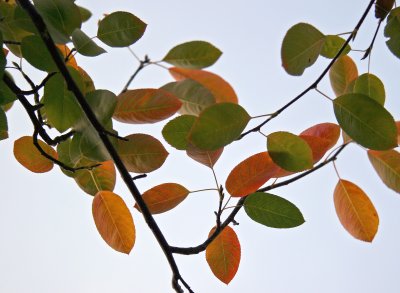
(120, 29)
(35, 52)
(164, 197)
(272, 211)
(6, 95)
(289, 151)
(29, 156)
(341, 74)
(387, 165)
(88, 83)
(392, 31)
(176, 131)
(250, 174)
(218, 126)
(3, 125)
(223, 254)
(366, 121)
(383, 7)
(85, 45)
(207, 158)
(145, 106)
(371, 86)
(332, 45)
(355, 211)
(193, 55)
(301, 47)
(114, 221)
(142, 153)
(220, 89)
(194, 97)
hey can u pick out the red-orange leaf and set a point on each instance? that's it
(251, 174)
(28, 155)
(355, 211)
(398, 131)
(65, 51)
(221, 90)
(114, 221)
(223, 254)
(207, 158)
(164, 197)
(145, 106)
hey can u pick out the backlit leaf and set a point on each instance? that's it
(66, 52)
(371, 86)
(289, 151)
(87, 146)
(29, 156)
(366, 121)
(176, 131)
(218, 126)
(272, 211)
(392, 31)
(220, 89)
(35, 52)
(85, 13)
(341, 74)
(164, 197)
(3, 125)
(85, 45)
(223, 254)
(114, 221)
(250, 174)
(142, 153)
(102, 103)
(387, 165)
(332, 45)
(398, 131)
(120, 29)
(193, 55)
(301, 47)
(355, 211)
(145, 106)
(207, 158)
(383, 7)
(6, 95)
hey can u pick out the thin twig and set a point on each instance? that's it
(142, 64)
(369, 49)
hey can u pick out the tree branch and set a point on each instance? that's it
(142, 64)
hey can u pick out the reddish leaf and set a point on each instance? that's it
(251, 174)
(145, 106)
(355, 211)
(341, 75)
(387, 165)
(164, 197)
(398, 131)
(114, 221)
(207, 158)
(223, 255)
(222, 91)
(28, 155)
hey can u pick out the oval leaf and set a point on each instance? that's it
(176, 131)
(355, 211)
(366, 121)
(392, 31)
(272, 211)
(114, 221)
(332, 45)
(207, 158)
(383, 7)
(371, 86)
(85, 45)
(341, 74)
(387, 165)
(3, 125)
(223, 254)
(35, 52)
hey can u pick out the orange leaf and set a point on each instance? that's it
(341, 75)
(164, 197)
(223, 254)
(114, 221)
(251, 174)
(221, 90)
(28, 155)
(207, 158)
(65, 51)
(355, 211)
(145, 106)
(398, 131)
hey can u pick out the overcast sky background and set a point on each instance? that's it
(49, 242)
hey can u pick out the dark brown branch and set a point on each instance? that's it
(142, 64)
(320, 77)
(7, 42)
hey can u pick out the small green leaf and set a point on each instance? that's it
(343, 72)
(85, 45)
(218, 126)
(301, 47)
(392, 31)
(193, 55)
(3, 125)
(272, 211)
(176, 131)
(387, 165)
(120, 29)
(6, 95)
(64, 156)
(289, 151)
(371, 86)
(366, 121)
(85, 13)
(35, 52)
(332, 45)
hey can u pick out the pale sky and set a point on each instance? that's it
(49, 240)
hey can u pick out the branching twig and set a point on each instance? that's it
(142, 64)
(369, 49)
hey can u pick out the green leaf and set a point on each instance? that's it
(35, 52)
(64, 156)
(193, 55)
(382, 8)
(85, 13)
(332, 45)
(289, 151)
(87, 146)
(366, 121)
(301, 47)
(272, 211)
(218, 126)
(120, 29)
(392, 31)
(343, 72)
(6, 95)
(103, 103)
(3, 125)
(85, 45)
(194, 97)
(371, 86)
(387, 165)
(176, 131)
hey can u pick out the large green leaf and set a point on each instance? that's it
(120, 29)
(301, 47)
(387, 165)
(289, 151)
(176, 131)
(85, 45)
(366, 121)
(35, 52)
(218, 125)
(272, 211)
(193, 55)
(3, 125)
(371, 86)
(332, 45)
(392, 31)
